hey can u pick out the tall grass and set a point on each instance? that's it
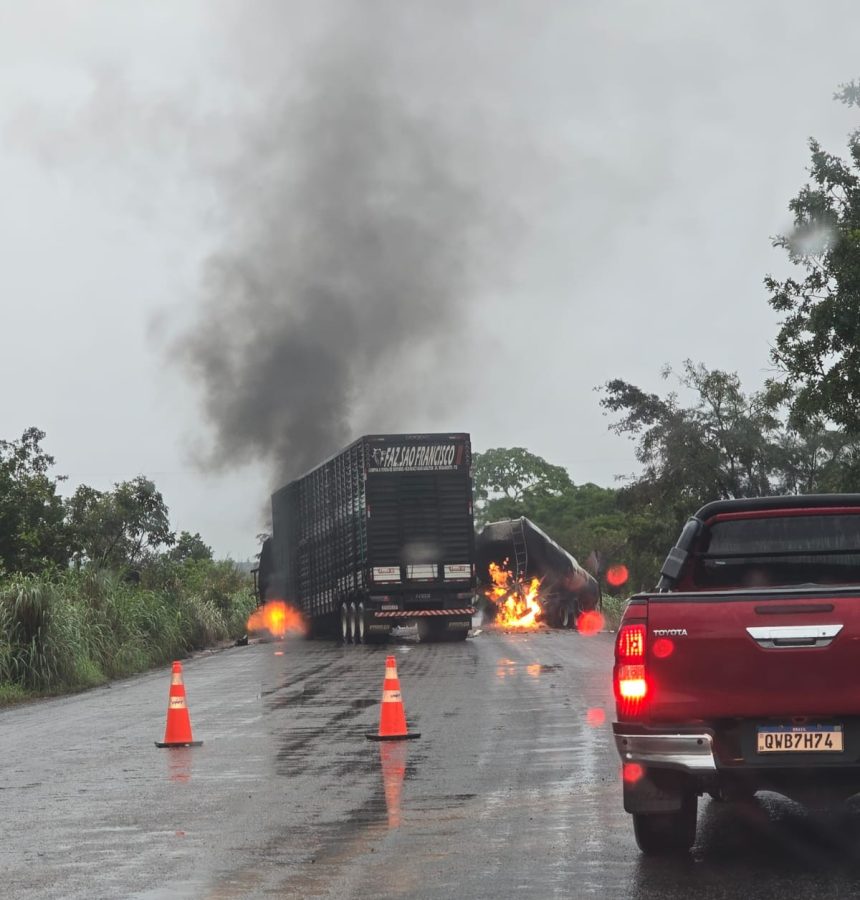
(76, 629)
(613, 609)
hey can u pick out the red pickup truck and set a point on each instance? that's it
(741, 672)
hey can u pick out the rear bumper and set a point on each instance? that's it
(676, 758)
(420, 613)
(688, 752)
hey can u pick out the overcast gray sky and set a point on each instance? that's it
(234, 233)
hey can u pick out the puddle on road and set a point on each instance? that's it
(179, 764)
(508, 667)
(538, 669)
(392, 760)
(595, 716)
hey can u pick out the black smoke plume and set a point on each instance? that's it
(344, 287)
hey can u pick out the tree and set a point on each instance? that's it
(119, 528)
(815, 458)
(817, 347)
(189, 546)
(724, 444)
(508, 477)
(33, 534)
(721, 446)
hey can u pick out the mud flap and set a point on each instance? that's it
(656, 791)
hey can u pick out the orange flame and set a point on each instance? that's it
(278, 618)
(516, 602)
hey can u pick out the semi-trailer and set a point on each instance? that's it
(521, 547)
(377, 536)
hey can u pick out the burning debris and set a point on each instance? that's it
(516, 601)
(276, 619)
(538, 581)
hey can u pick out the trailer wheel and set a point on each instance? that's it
(358, 624)
(345, 624)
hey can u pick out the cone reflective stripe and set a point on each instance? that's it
(392, 717)
(177, 731)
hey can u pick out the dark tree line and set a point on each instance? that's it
(121, 529)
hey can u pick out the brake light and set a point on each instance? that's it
(631, 642)
(630, 681)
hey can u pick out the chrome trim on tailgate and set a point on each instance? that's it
(671, 751)
(774, 637)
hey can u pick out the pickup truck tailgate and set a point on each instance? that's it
(793, 653)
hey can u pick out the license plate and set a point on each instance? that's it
(799, 739)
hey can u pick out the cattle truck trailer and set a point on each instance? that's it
(379, 535)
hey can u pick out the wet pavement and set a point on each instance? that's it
(512, 789)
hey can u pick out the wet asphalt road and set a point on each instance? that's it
(512, 789)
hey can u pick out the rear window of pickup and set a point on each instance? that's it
(776, 551)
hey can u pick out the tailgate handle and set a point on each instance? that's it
(773, 637)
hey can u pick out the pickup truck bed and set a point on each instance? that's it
(740, 672)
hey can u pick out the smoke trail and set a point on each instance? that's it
(354, 253)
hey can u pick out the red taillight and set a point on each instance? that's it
(631, 642)
(630, 681)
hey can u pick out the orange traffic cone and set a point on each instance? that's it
(392, 718)
(177, 732)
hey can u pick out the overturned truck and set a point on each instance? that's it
(566, 589)
(381, 534)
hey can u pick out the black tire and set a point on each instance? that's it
(345, 624)
(358, 636)
(663, 834)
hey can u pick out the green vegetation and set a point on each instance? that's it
(79, 629)
(817, 347)
(98, 586)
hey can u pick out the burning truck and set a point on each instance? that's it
(379, 535)
(529, 579)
